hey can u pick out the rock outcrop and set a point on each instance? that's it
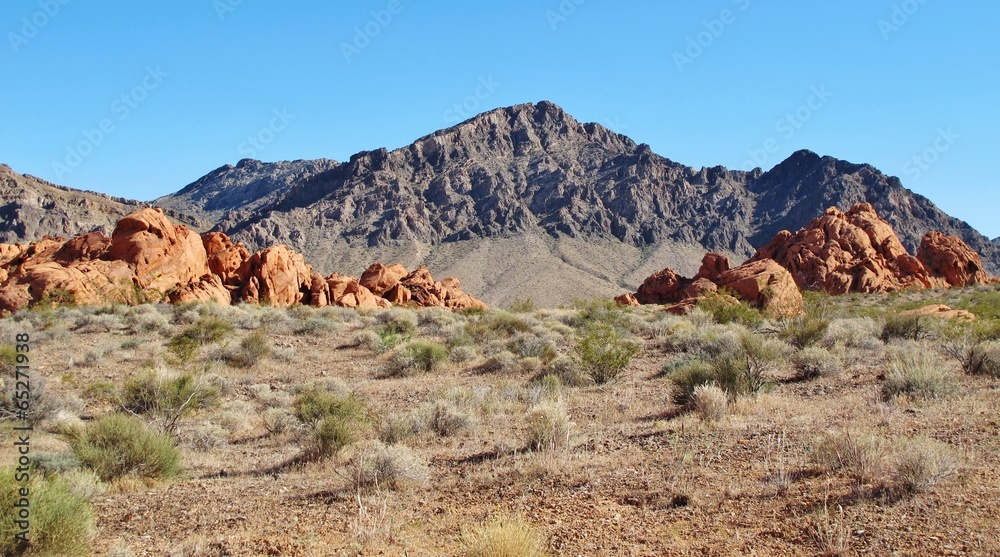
(764, 284)
(858, 251)
(150, 258)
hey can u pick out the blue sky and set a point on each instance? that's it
(139, 99)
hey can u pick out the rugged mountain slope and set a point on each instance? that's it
(31, 208)
(233, 193)
(526, 201)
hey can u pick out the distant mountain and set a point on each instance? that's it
(525, 201)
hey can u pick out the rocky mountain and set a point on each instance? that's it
(525, 201)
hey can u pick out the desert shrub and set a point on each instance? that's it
(277, 421)
(922, 463)
(117, 445)
(461, 354)
(597, 311)
(496, 325)
(814, 361)
(316, 326)
(903, 326)
(445, 418)
(41, 403)
(396, 427)
(208, 329)
(397, 321)
(503, 537)
(976, 358)
(687, 375)
(334, 420)
(550, 427)
(380, 466)
(761, 355)
(723, 309)
(805, 331)
(522, 305)
(859, 454)
(569, 372)
(503, 363)
(528, 345)
(417, 357)
(165, 400)
(252, 349)
(917, 371)
(603, 352)
(856, 332)
(710, 402)
(55, 463)
(61, 522)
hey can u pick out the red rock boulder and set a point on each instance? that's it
(380, 278)
(764, 284)
(951, 259)
(277, 276)
(163, 255)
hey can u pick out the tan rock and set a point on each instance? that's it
(627, 300)
(942, 311)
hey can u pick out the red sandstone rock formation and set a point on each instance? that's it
(149, 255)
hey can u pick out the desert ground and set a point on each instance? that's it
(583, 430)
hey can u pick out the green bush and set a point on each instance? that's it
(208, 329)
(900, 326)
(61, 523)
(117, 445)
(522, 305)
(166, 399)
(688, 375)
(805, 331)
(603, 352)
(598, 311)
(724, 310)
(399, 321)
(335, 420)
(417, 357)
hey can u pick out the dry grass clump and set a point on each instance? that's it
(375, 465)
(976, 358)
(805, 331)
(855, 332)
(550, 426)
(915, 370)
(832, 533)
(42, 405)
(163, 400)
(921, 463)
(860, 454)
(710, 402)
(814, 361)
(504, 537)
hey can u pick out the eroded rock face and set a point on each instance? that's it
(163, 255)
(150, 258)
(856, 251)
(764, 284)
(950, 258)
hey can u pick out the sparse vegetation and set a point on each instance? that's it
(916, 371)
(334, 420)
(503, 537)
(60, 522)
(378, 466)
(603, 352)
(116, 446)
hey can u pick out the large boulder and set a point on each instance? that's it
(764, 284)
(225, 258)
(662, 287)
(277, 276)
(951, 259)
(209, 288)
(380, 278)
(163, 255)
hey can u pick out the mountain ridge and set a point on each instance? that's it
(562, 202)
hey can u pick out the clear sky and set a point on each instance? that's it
(138, 99)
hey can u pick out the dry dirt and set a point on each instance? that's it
(639, 477)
